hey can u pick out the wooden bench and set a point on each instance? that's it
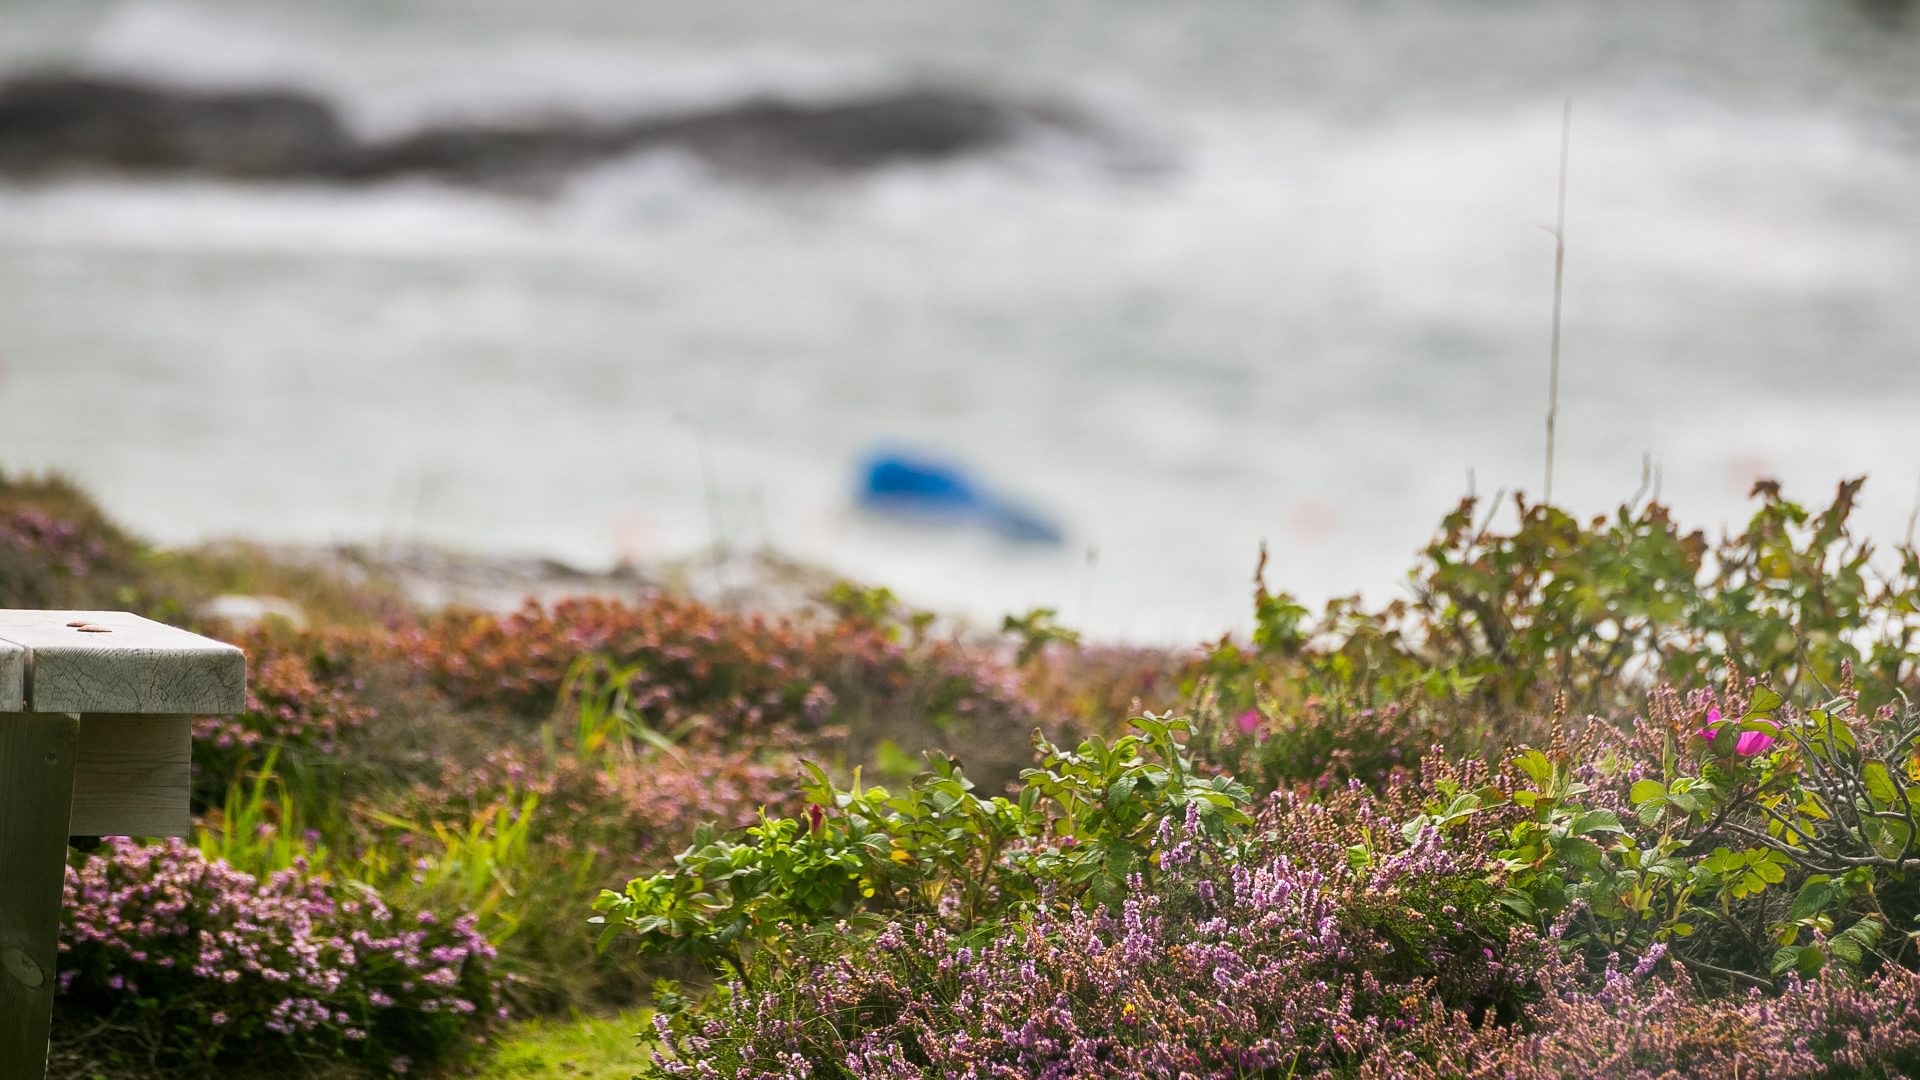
(96, 739)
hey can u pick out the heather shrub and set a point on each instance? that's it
(304, 702)
(1087, 687)
(707, 678)
(45, 562)
(1341, 935)
(1266, 954)
(158, 940)
(58, 551)
(1643, 1024)
(1462, 920)
(728, 674)
(896, 683)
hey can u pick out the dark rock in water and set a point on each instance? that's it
(1892, 12)
(917, 125)
(55, 123)
(524, 157)
(765, 138)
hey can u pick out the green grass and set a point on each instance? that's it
(583, 1048)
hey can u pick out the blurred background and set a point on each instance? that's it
(610, 281)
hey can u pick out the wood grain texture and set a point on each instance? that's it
(13, 677)
(132, 776)
(115, 662)
(37, 753)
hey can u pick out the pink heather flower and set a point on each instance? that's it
(1752, 742)
(1647, 963)
(1248, 721)
(217, 1019)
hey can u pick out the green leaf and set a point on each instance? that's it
(1829, 733)
(1764, 702)
(1647, 791)
(1804, 958)
(1596, 821)
(1536, 765)
(1853, 943)
(1812, 899)
(1579, 851)
(1888, 838)
(1518, 904)
(1880, 786)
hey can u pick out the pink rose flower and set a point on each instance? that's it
(1747, 744)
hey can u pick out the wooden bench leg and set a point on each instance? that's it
(37, 752)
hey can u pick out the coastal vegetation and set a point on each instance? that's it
(1590, 797)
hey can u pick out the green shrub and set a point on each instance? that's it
(1505, 628)
(1085, 823)
(1752, 844)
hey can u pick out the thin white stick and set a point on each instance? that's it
(1559, 275)
(1913, 518)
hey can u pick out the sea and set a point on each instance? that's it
(1321, 317)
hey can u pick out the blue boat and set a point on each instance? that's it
(938, 493)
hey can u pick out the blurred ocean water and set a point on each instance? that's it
(1325, 313)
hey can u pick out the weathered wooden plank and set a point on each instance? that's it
(13, 677)
(132, 776)
(37, 754)
(115, 662)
